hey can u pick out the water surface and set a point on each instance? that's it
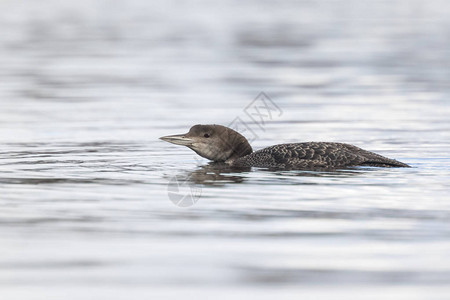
(87, 87)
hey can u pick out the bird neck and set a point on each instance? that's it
(241, 149)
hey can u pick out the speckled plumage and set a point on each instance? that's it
(222, 144)
(312, 155)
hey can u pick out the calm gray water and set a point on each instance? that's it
(86, 187)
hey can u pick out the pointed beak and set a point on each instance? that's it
(178, 139)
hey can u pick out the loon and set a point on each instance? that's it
(222, 144)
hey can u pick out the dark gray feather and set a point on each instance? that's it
(314, 155)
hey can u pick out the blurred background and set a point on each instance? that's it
(88, 86)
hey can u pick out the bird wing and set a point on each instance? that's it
(312, 154)
(315, 155)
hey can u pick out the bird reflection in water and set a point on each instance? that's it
(219, 173)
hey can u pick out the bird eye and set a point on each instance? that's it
(206, 135)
